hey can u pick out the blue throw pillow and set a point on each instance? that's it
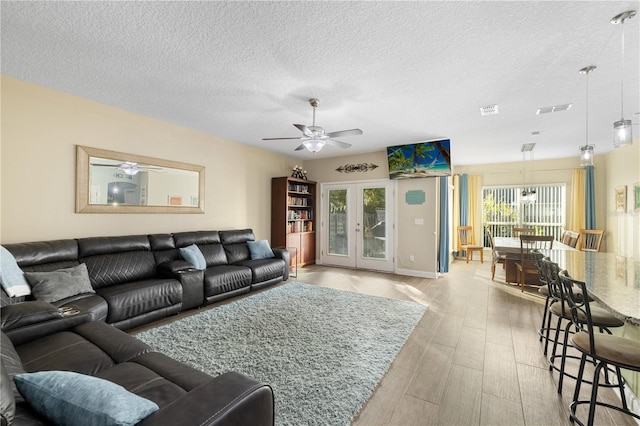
(11, 277)
(260, 249)
(194, 256)
(68, 398)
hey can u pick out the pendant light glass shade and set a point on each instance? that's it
(622, 134)
(586, 155)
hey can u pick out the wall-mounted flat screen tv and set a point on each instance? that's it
(419, 160)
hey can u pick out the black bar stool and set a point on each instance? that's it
(605, 349)
(601, 318)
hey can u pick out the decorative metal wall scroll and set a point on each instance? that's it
(353, 168)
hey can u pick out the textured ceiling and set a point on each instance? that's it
(400, 71)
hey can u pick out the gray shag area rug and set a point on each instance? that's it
(323, 351)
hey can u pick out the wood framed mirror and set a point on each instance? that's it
(115, 182)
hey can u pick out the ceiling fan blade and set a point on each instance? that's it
(340, 133)
(338, 144)
(300, 148)
(304, 129)
(278, 139)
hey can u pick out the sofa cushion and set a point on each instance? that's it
(224, 278)
(12, 278)
(193, 255)
(117, 268)
(236, 236)
(56, 285)
(183, 239)
(264, 269)
(139, 297)
(237, 252)
(65, 397)
(60, 253)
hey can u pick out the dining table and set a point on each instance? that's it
(510, 248)
(612, 280)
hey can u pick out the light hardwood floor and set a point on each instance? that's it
(474, 358)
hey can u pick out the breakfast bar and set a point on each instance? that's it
(612, 280)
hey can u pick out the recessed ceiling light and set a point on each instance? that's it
(489, 110)
(555, 108)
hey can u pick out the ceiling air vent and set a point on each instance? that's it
(556, 108)
(488, 110)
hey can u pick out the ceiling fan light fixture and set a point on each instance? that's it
(314, 145)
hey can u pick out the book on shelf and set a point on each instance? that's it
(299, 226)
(297, 187)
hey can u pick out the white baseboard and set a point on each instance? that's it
(414, 273)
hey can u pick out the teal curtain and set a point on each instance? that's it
(464, 200)
(443, 231)
(590, 198)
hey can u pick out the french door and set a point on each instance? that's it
(357, 225)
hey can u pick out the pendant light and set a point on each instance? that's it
(586, 150)
(529, 195)
(622, 134)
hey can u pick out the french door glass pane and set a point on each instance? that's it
(338, 232)
(373, 223)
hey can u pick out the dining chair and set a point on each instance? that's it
(519, 231)
(496, 257)
(466, 244)
(590, 239)
(569, 238)
(606, 350)
(526, 265)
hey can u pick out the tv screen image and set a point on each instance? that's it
(420, 160)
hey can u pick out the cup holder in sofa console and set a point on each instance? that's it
(68, 311)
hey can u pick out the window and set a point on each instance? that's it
(503, 209)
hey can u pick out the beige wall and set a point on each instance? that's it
(623, 229)
(40, 128)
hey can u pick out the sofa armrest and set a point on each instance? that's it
(27, 313)
(229, 399)
(26, 321)
(282, 253)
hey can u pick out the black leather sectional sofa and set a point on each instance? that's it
(184, 395)
(136, 280)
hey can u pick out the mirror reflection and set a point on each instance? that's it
(118, 182)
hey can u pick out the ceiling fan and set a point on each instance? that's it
(315, 138)
(128, 167)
